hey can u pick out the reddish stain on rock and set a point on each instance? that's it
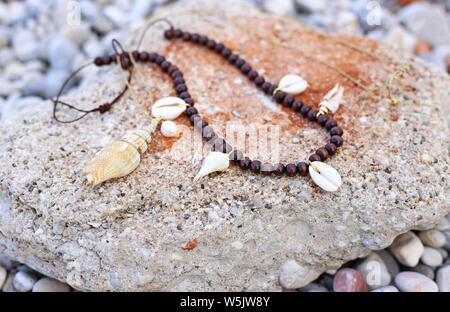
(349, 280)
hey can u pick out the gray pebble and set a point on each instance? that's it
(390, 262)
(25, 45)
(313, 287)
(61, 52)
(424, 269)
(3, 275)
(24, 281)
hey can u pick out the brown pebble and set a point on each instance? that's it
(349, 280)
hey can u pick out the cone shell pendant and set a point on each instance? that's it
(120, 157)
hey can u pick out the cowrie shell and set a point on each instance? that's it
(215, 161)
(293, 84)
(169, 128)
(327, 177)
(168, 108)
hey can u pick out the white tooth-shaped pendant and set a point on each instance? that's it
(327, 177)
(168, 108)
(293, 84)
(333, 98)
(215, 161)
(169, 128)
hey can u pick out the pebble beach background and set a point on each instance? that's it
(42, 42)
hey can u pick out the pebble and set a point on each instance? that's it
(447, 240)
(25, 45)
(443, 278)
(398, 36)
(50, 285)
(313, 287)
(390, 262)
(374, 271)
(414, 282)
(280, 7)
(432, 257)
(309, 6)
(443, 225)
(24, 281)
(349, 280)
(93, 48)
(76, 34)
(61, 52)
(3, 275)
(425, 270)
(407, 249)
(432, 238)
(389, 288)
(53, 81)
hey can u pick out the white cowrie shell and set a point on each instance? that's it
(169, 129)
(215, 161)
(327, 177)
(168, 108)
(293, 84)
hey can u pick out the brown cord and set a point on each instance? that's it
(101, 108)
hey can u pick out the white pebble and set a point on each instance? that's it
(374, 271)
(407, 249)
(50, 285)
(386, 289)
(24, 281)
(431, 257)
(414, 282)
(293, 275)
(432, 238)
(443, 278)
(3, 275)
(169, 128)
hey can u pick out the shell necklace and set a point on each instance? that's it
(322, 174)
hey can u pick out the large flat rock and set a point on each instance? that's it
(127, 234)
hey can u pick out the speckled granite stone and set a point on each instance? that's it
(126, 234)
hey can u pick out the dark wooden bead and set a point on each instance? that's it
(330, 124)
(291, 170)
(279, 96)
(314, 157)
(331, 148)
(159, 59)
(219, 47)
(265, 86)
(125, 62)
(191, 111)
(226, 52)
(271, 89)
(259, 81)
(179, 80)
(255, 166)
(168, 34)
(305, 110)
(184, 95)
(297, 105)
(189, 101)
(312, 115)
(178, 33)
(239, 62)
(245, 69)
(288, 100)
(186, 36)
(302, 168)
(181, 88)
(323, 153)
(236, 156)
(336, 140)
(195, 37)
(244, 164)
(322, 120)
(176, 74)
(98, 61)
(279, 169)
(252, 75)
(203, 40)
(233, 58)
(266, 169)
(204, 124)
(135, 55)
(165, 66)
(172, 69)
(107, 60)
(336, 131)
(143, 56)
(152, 57)
(211, 44)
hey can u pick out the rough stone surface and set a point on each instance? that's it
(126, 234)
